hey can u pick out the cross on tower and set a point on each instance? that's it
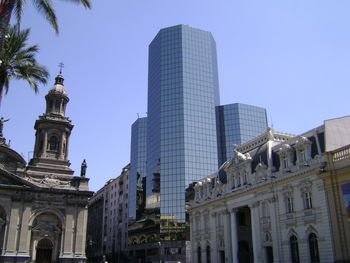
(61, 66)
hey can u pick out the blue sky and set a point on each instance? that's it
(291, 57)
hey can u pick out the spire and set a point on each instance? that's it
(59, 78)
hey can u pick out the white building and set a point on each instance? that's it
(269, 203)
(108, 218)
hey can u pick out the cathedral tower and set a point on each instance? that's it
(53, 129)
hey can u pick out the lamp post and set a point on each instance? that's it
(160, 251)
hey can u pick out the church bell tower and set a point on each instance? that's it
(53, 129)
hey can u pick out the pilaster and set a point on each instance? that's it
(254, 212)
(213, 238)
(234, 235)
(273, 211)
(227, 231)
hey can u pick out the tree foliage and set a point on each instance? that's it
(17, 61)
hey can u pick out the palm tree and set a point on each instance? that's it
(17, 61)
(7, 7)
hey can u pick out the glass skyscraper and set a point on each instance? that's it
(137, 161)
(236, 124)
(184, 137)
(182, 95)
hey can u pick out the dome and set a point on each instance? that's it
(58, 88)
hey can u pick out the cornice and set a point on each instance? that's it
(253, 189)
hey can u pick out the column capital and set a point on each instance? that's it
(233, 210)
(226, 212)
(272, 199)
(214, 214)
(254, 204)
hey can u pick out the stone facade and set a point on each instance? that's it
(43, 206)
(275, 201)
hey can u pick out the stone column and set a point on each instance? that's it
(45, 144)
(4, 226)
(274, 229)
(62, 145)
(204, 251)
(35, 243)
(37, 144)
(192, 227)
(80, 236)
(61, 106)
(67, 145)
(11, 237)
(24, 244)
(68, 234)
(227, 229)
(213, 238)
(234, 235)
(254, 212)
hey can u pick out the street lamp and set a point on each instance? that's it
(160, 251)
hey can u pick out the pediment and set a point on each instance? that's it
(8, 179)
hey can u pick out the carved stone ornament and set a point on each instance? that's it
(238, 156)
(46, 226)
(48, 180)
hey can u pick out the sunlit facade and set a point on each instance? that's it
(137, 161)
(182, 95)
(238, 123)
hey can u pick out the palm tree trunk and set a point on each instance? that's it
(2, 85)
(5, 16)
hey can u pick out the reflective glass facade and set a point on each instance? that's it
(236, 124)
(137, 161)
(182, 95)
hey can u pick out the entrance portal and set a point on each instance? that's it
(269, 254)
(44, 251)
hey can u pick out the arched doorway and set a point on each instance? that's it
(243, 252)
(44, 251)
(46, 237)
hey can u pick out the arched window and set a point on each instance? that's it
(245, 181)
(313, 246)
(208, 254)
(53, 143)
(307, 200)
(57, 105)
(294, 249)
(199, 251)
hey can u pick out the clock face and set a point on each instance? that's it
(222, 176)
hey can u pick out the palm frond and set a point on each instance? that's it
(85, 3)
(18, 62)
(18, 11)
(45, 8)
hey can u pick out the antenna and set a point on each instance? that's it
(138, 115)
